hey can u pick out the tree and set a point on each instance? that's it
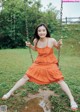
(13, 19)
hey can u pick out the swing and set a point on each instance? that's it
(27, 36)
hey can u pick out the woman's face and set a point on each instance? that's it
(42, 32)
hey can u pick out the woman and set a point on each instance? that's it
(45, 68)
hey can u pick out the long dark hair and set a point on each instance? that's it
(36, 31)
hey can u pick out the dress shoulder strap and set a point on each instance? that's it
(47, 41)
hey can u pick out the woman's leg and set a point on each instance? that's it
(66, 89)
(19, 83)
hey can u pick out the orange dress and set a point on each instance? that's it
(45, 69)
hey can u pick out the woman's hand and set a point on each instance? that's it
(28, 44)
(60, 42)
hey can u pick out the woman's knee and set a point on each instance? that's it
(25, 77)
(60, 81)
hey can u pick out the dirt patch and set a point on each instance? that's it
(38, 102)
(33, 106)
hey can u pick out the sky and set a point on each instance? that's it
(70, 9)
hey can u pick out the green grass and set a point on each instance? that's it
(15, 62)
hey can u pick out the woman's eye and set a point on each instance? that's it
(39, 30)
(43, 30)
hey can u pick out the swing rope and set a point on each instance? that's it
(27, 37)
(27, 33)
(59, 51)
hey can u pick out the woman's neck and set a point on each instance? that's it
(43, 39)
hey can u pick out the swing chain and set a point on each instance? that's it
(27, 33)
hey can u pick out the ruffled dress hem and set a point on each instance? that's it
(31, 79)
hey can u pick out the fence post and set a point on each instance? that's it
(79, 19)
(66, 19)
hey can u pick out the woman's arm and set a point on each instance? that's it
(33, 47)
(57, 44)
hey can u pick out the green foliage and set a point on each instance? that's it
(32, 87)
(14, 64)
(13, 17)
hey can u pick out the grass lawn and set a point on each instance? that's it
(15, 62)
